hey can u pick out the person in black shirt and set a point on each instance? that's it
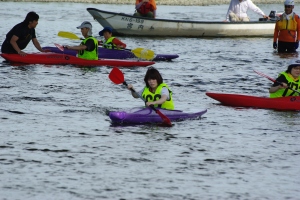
(20, 35)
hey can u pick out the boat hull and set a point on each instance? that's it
(115, 54)
(240, 100)
(147, 115)
(124, 24)
(64, 59)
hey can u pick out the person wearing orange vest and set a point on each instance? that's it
(287, 79)
(145, 8)
(287, 30)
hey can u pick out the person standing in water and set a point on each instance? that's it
(21, 34)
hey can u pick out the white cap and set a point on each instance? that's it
(85, 24)
(289, 2)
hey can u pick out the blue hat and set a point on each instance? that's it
(108, 29)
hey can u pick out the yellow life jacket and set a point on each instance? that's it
(109, 44)
(284, 92)
(89, 55)
(287, 24)
(150, 97)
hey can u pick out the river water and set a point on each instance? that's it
(57, 141)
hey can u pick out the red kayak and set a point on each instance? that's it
(63, 59)
(241, 100)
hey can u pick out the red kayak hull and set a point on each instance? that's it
(241, 100)
(63, 59)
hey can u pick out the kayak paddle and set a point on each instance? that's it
(142, 53)
(117, 77)
(271, 79)
(68, 35)
(60, 47)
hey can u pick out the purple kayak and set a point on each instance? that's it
(116, 54)
(147, 115)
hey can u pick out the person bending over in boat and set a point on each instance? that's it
(287, 30)
(156, 92)
(237, 11)
(110, 42)
(145, 8)
(20, 35)
(88, 48)
(289, 78)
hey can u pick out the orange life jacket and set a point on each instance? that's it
(145, 8)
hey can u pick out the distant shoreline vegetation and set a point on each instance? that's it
(158, 2)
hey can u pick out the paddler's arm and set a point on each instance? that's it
(13, 42)
(77, 48)
(134, 94)
(119, 44)
(138, 5)
(38, 46)
(277, 87)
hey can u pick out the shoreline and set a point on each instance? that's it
(158, 2)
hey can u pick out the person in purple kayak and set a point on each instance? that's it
(21, 34)
(287, 79)
(156, 92)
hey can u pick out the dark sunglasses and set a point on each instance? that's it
(288, 6)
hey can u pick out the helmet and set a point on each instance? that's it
(289, 2)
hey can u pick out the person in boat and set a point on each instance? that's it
(110, 42)
(237, 11)
(21, 34)
(88, 48)
(287, 30)
(156, 92)
(287, 79)
(145, 8)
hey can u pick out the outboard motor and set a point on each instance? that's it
(275, 15)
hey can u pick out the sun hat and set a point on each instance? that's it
(108, 29)
(85, 24)
(289, 2)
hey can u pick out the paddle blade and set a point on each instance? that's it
(166, 120)
(142, 53)
(116, 76)
(60, 47)
(259, 73)
(68, 35)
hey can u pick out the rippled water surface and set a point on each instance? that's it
(57, 141)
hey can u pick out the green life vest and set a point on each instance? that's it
(89, 55)
(150, 97)
(284, 92)
(109, 44)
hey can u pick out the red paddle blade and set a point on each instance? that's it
(60, 47)
(259, 73)
(165, 119)
(116, 76)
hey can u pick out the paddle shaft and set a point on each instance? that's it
(275, 81)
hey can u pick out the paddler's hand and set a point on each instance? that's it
(150, 103)
(46, 50)
(21, 53)
(129, 86)
(283, 85)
